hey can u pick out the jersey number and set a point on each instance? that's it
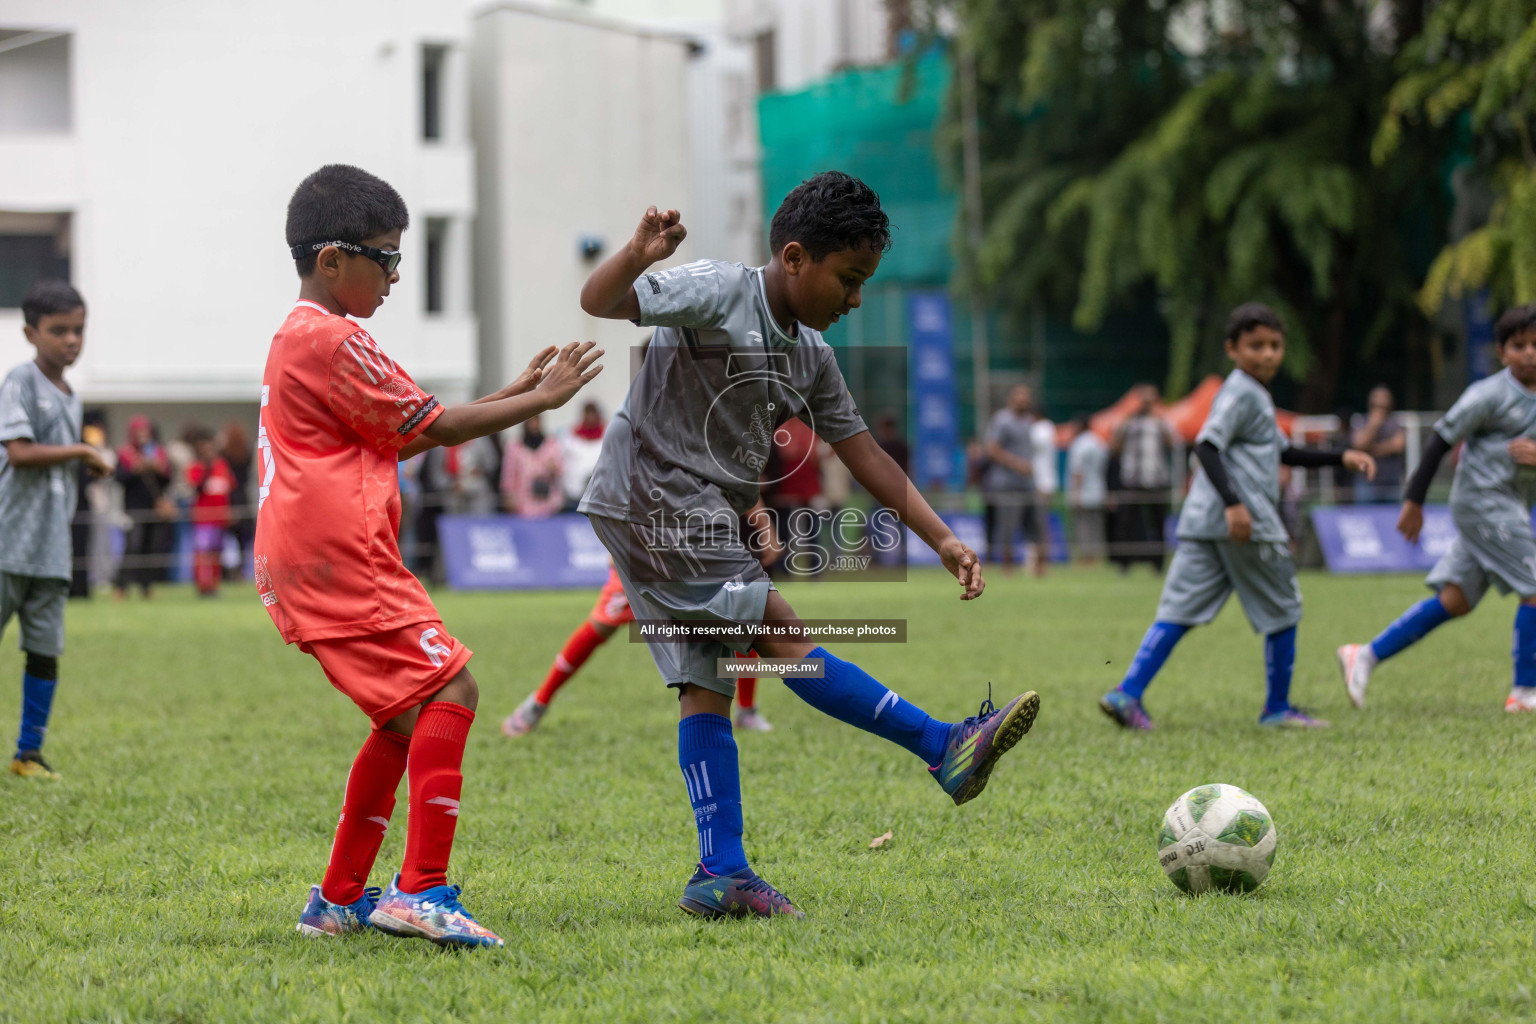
(435, 652)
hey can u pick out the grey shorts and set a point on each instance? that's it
(1483, 553)
(39, 603)
(683, 576)
(1205, 572)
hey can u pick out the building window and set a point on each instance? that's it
(437, 253)
(432, 60)
(34, 81)
(764, 54)
(32, 246)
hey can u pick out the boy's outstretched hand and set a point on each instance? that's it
(1361, 462)
(963, 564)
(658, 236)
(566, 373)
(1410, 521)
(1239, 524)
(1523, 451)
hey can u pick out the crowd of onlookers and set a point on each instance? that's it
(189, 501)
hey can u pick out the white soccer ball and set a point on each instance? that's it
(1217, 837)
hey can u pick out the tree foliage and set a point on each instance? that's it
(1474, 67)
(1219, 151)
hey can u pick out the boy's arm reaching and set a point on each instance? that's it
(1410, 521)
(610, 291)
(26, 454)
(562, 378)
(525, 382)
(879, 474)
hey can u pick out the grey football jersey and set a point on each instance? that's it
(696, 428)
(1489, 485)
(36, 505)
(1242, 426)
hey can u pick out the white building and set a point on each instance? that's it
(153, 146)
(580, 125)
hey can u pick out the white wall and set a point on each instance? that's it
(580, 124)
(813, 38)
(192, 123)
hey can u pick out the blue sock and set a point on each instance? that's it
(706, 752)
(1410, 628)
(1279, 661)
(1154, 650)
(849, 694)
(1525, 646)
(36, 703)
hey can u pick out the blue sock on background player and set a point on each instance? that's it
(37, 686)
(849, 694)
(1525, 646)
(1410, 628)
(1279, 662)
(706, 752)
(1154, 650)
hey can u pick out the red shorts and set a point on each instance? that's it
(388, 673)
(612, 608)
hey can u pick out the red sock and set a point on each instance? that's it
(746, 692)
(365, 815)
(437, 751)
(578, 648)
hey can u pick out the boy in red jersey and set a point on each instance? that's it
(212, 483)
(337, 415)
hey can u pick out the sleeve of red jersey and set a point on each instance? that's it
(369, 392)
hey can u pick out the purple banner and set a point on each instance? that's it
(1364, 538)
(509, 553)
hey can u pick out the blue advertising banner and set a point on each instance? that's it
(1364, 538)
(935, 459)
(509, 553)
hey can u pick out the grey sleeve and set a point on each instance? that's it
(1469, 413)
(1231, 413)
(692, 295)
(834, 416)
(16, 411)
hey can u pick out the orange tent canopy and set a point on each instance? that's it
(1186, 416)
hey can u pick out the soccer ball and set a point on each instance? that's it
(1217, 837)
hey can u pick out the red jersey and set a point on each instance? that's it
(214, 482)
(335, 412)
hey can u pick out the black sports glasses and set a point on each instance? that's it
(389, 259)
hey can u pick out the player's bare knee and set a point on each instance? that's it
(461, 689)
(1454, 600)
(42, 666)
(693, 699)
(602, 629)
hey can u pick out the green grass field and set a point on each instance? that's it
(204, 765)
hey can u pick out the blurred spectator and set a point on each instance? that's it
(1087, 484)
(579, 448)
(1009, 481)
(212, 483)
(792, 481)
(82, 532)
(240, 456)
(531, 473)
(433, 488)
(144, 471)
(1143, 448)
(889, 437)
(1380, 434)
(1042, 443)
(470, 470)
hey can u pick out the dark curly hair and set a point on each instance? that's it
(342, 203)
(1250, 315)
(47, 297)
(830, 213)
(1515, 320)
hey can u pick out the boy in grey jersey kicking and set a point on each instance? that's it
(1491, 498)
(737, 352)
(1231, 536)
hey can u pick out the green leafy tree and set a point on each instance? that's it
(1473, 69)
(1216, 152)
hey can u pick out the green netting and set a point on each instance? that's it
(878, 125)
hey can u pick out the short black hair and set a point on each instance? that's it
(1250, 315)
(1515, 320)
(830, 213)
(48, 296)
(342, 203)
